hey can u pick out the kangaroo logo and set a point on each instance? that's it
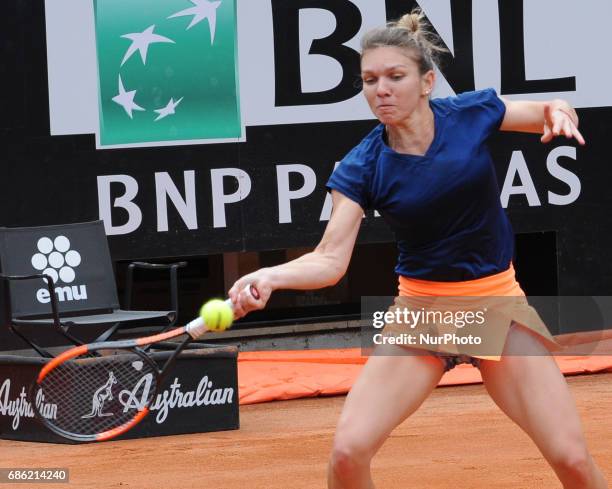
(102, 395)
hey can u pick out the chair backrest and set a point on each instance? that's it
(76, 256)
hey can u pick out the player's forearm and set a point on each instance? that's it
(529, 116)
(313, 270)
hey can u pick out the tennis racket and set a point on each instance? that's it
(85, 398)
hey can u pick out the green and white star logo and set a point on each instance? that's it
(167, 72)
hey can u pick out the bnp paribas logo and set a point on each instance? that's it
(167, 72)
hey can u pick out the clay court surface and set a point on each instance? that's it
(457, 439)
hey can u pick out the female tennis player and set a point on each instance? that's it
(427, 170)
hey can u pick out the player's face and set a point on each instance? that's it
(393, 84)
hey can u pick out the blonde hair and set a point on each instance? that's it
(411, 32)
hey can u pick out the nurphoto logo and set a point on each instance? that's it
(167, 72)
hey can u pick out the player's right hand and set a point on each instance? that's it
(243, 301)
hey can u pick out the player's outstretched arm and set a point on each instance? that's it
(552, 118)
(322, 267)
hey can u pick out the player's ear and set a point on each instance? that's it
(428, 81)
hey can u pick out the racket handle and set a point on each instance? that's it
(253, 291)
(196, 327)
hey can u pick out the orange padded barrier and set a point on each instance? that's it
(280, 375)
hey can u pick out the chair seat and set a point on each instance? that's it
(118, 315)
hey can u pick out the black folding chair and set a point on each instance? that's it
(62, 277)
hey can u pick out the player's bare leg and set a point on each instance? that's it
(389, 389)
(534, 394)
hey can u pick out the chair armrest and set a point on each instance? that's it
(172, 267)
(50, 287)
(157, 266)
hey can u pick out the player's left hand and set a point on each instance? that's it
(558, 122)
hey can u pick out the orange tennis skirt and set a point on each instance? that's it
(471, 317)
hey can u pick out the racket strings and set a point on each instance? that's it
(93, 395)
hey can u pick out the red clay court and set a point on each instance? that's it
(457, 435)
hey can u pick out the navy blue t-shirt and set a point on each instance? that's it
(444, 207)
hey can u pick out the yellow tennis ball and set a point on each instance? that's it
(217, 315)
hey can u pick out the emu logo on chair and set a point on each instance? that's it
(56, 259)
(103, 394)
